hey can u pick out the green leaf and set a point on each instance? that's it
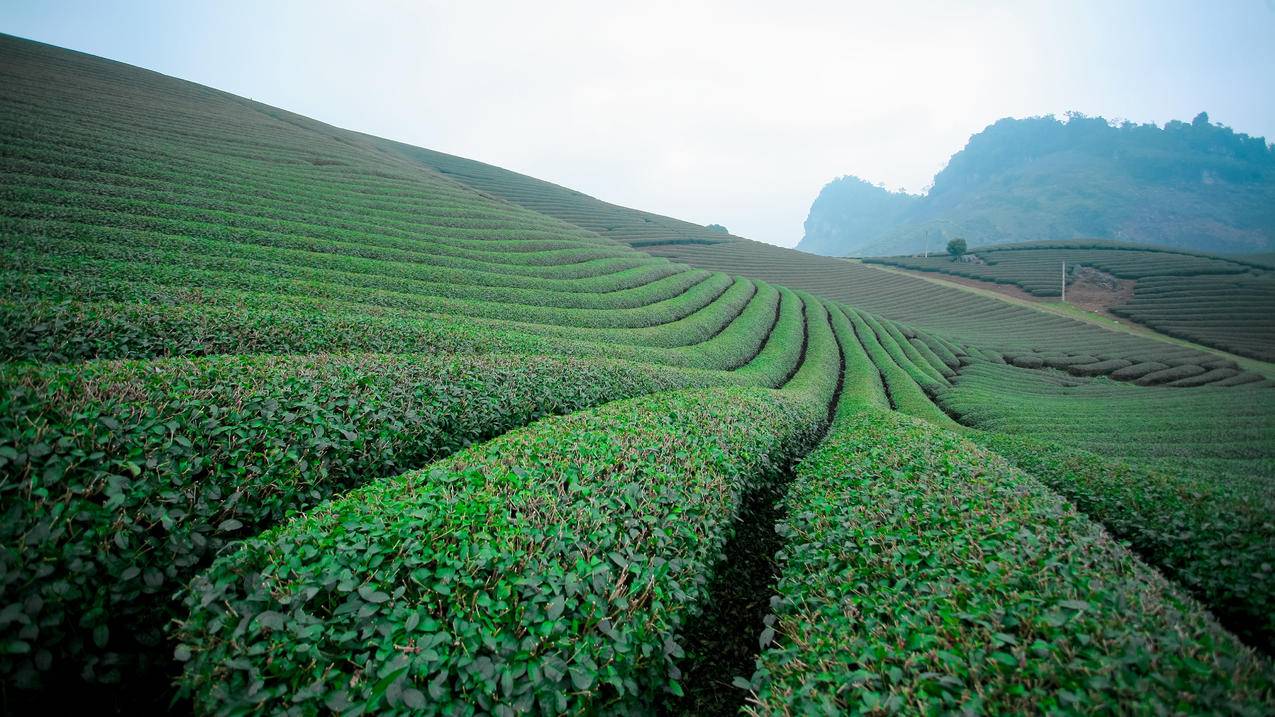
(582, 679)
(556, 607)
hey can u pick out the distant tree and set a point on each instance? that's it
(956, 247)
(1201, 120)
(717, 228)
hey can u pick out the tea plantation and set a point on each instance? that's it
(296, 420)
(1227, 303)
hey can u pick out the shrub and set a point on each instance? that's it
(923, 574)
(1212, 536)
(1172, 373)
(123, 479)
(548, 570)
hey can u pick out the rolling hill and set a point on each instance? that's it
(295, 419)
(1196, 187)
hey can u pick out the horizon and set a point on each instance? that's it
(678, 111)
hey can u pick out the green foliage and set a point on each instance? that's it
(1215, 537)
(1226, 431)
(1230, 312)
(547, 570)
(123, 479)
(957, 247)
(901, 389)
(922, 574)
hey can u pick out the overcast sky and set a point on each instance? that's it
(728, 112)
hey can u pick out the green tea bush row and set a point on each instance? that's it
(861, 382)
(893, 343)
(1137, 370)
(780, 353)
(931, 358)
(904, 393)
(819, 373)
(1226, 429)
(122, 479)
(1212, 376)
(944, 350)
(547, 571)
(923, 575)
(1170, 374)
(1098, 368)
(106, 242)
(369, 218)
(689, 330)
(910, 353)
(25, 201)
(102, 161)
(1214, 537)
(629, 288)
(63, 332)
(129, 280)
(66, 332)
(405, 251)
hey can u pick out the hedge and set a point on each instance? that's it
(923, 575)
(123, 479)
(1214, 537)
(547, 571)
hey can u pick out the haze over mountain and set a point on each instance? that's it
(1198, 185)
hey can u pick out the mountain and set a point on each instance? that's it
(1199, 186)
(851, 207)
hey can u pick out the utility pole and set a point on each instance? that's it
(927, 243)
(1064, 281)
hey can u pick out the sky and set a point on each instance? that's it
(734, 113)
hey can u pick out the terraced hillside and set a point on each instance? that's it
(955, 314)
(1227, 303)
(292, 422)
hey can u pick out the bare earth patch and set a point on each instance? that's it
(1098, 291)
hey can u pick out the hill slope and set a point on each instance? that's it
(1227, 303)
(954, 314)
(1196, 186)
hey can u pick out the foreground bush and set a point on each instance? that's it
(923, 575)
(122, 479)
(1212, 535)
(546, 571)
